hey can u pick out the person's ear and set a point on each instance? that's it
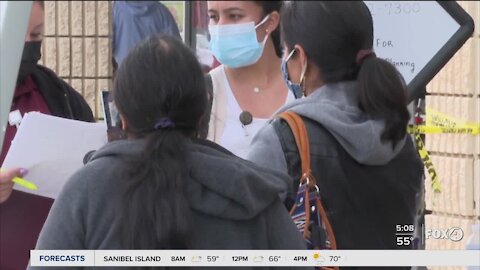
(273, 22)
(124, 123)
(115, 133)
(300, 53)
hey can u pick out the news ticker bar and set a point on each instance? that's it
(253, 258)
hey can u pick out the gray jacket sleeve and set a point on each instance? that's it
(266, 150)
(65, 224)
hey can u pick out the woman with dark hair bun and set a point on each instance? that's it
(354, 106)
(163, 188)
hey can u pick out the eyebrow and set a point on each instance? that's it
(233, 9)
(227, 10)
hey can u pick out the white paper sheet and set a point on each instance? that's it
(52, 149)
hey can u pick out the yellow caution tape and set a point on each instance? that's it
(438, 123)
(427, 161)
(464, 129)
(436, 118)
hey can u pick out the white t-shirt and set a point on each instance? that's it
(236, 137)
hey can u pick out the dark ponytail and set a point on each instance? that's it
(160, 91)
(157, 216)
(332, 33)
(383, 95)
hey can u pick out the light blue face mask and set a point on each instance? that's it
(296, 88)
(236, 45)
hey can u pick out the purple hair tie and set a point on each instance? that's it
(163, 123)
(364, 54)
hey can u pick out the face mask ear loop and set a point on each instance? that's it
(265, 39)
(303, 77)
(304, 69)
(260, 23)
(290, 55)
(263, 21)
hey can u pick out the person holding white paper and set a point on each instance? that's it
(163, 188)
(38, 89)
(6, 184)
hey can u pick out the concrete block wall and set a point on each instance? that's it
(461, 107)
(455, 91)
(445, 222)
(77, 46)
(476, 185)
(456, 176)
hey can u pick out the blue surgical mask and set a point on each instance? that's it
(236, 45)
(296, 88)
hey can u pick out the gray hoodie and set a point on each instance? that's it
(335, 107)
(234, 203)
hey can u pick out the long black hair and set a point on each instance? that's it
(160, 91)
(332, 33)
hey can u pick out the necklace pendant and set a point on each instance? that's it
(256, 90)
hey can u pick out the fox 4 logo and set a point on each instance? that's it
(454, 234)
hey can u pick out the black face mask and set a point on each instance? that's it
(30, 56)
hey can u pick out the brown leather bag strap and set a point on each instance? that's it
(301, 138)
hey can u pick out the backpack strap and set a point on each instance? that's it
(301, 138)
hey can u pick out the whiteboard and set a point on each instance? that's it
(14, 17)
(409, 34)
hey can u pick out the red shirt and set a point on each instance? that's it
(22, 216)
(27, 98)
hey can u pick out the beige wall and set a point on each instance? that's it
(455, 91)
(77, 46)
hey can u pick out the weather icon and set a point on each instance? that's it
(258, 259)
(318, 258)
(197, 259)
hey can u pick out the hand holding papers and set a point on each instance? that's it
(52, 149)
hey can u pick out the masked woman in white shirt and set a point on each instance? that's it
(248, 87)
